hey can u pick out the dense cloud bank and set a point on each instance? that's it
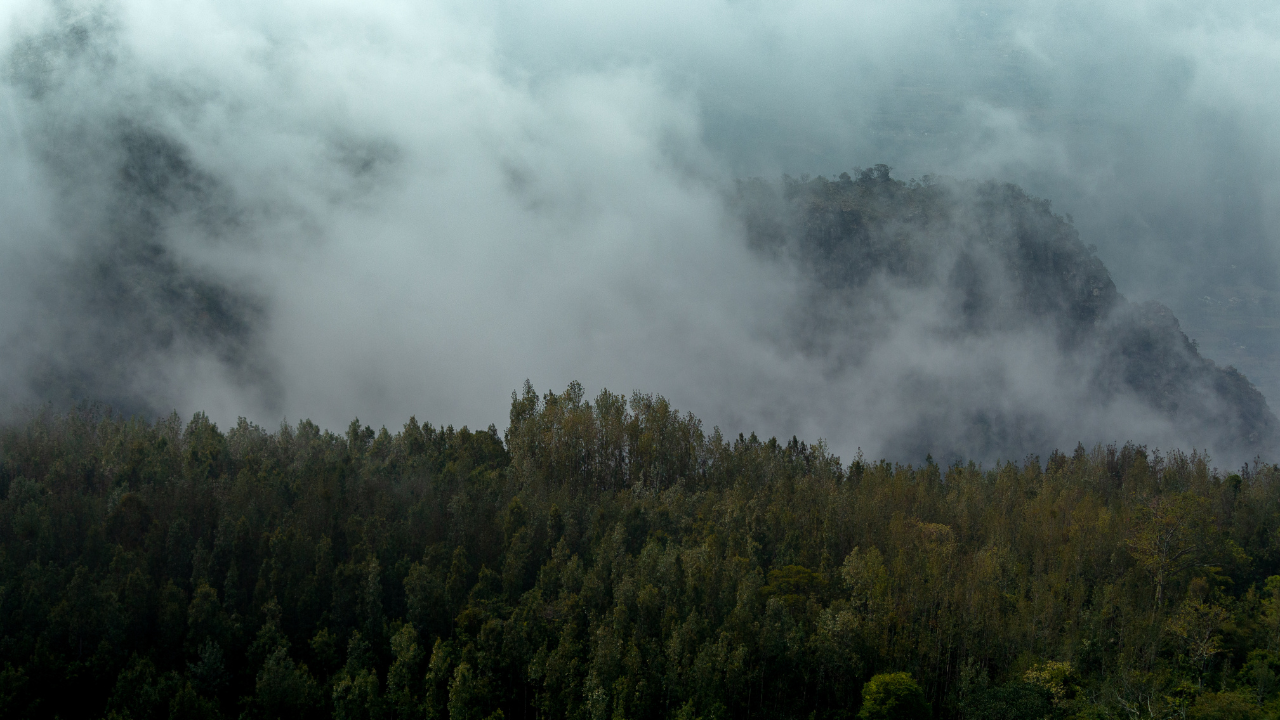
(324, 210)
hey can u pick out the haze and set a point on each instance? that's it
(331, 210)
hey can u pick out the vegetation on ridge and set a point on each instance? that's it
(612, 559)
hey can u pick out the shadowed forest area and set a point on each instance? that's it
(612, 559)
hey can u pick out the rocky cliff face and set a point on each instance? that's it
(967, 268)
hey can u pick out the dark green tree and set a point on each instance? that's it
(893, 696)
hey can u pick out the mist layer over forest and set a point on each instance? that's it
(330, 210)
(947, 233)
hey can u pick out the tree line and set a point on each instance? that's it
(611, 558)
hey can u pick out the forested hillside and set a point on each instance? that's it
(613, 559)
(990, 282)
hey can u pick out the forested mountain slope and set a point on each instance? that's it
(613, 559)
(966, 268)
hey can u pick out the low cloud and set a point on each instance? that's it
(330, 210)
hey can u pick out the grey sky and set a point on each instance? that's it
(400, 208)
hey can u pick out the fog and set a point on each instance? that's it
(331, 210)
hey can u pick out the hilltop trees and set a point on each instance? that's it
(613, 558)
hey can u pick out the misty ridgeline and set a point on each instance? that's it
(611, 558)
(981, 266)
(606, 557)
(158, 266)
(961, 319)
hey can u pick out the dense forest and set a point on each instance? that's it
(613, 559)
(994, 267)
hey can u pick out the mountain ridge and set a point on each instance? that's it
(990, 263)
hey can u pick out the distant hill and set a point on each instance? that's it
(989, 262)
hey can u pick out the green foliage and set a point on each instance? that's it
(1012, 701)
(403, 678)
(284, 688)
(893, 696)
(1225, 706)
(610, 558)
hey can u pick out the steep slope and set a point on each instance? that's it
(967, 264)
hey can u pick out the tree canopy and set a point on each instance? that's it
(614, 558)
(893, 696)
